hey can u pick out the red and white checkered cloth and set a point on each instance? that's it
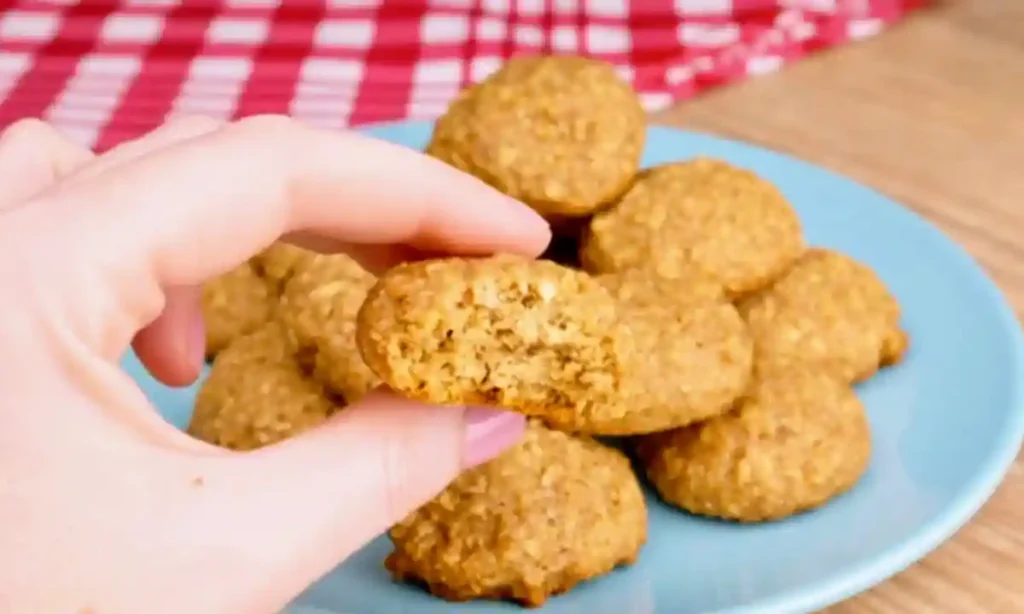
(107, 70)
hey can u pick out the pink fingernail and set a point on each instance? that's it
(489, 432)
(526, 218)
(525, 213)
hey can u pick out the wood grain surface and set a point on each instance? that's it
(932, 114)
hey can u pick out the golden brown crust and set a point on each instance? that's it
(702, 213)
(827, 312)
(256, 394)
(544, 516)
(319, 305)
(795, 441)
(563, 134)
(894, 347)
(245, 298)
(234, 304)
(687, 355)
(644, 287)
(279, 262)
(503, 331)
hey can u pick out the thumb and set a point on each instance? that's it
(301, 506)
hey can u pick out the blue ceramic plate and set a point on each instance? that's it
(947, 423)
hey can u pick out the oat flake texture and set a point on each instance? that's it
(552, 512)
(794, 442)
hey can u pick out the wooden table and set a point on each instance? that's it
(931, 113)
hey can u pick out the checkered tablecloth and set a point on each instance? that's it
(105, 70)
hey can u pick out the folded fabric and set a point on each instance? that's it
(105, 71)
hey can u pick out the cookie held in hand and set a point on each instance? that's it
(527, 335)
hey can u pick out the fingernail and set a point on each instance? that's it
(197, 342)
(526, 216)
(489, 432)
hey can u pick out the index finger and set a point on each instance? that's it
(33, 155)
(197, 208)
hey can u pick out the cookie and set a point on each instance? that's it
(828, 312)
(687, 355)
(795, 441)
(319, 305)
(526, 335)
(235, 304)
(256, 394)
(279, 262)
(644, 287)
(544, 516)
(270, 344)
(563, 134)
(702, 213)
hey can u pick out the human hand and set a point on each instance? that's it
(104, 507)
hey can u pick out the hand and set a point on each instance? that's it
(104, 507)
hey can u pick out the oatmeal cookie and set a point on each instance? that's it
(235, 304)
(561, 133)
(794, 442)
(544, 516)
(527, 335)
(257, 394)
(279, 262)
(644, 287)
(828, 312)
(702, 213)
(687, 355)
(319, 305)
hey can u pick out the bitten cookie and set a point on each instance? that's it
(702, 213)
(319, 305)
(544, 516)
(795, 441)
(563, 134)
(828, 312)
(687, 354)
(256, 394)
(521, 334)
(235, 304)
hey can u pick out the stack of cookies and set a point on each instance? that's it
(680, 312)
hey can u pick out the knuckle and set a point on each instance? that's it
(267, 126)
(26, 129)
(194, 123)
